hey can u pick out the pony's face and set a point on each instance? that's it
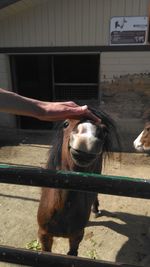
(85, 140)
(142, 142)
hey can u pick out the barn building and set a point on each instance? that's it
(60, 50)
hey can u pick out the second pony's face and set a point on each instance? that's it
(142, 142)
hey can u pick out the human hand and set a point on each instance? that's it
(54, 111)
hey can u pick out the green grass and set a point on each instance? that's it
(34, 245)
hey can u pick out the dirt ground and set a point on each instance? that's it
(120, 234)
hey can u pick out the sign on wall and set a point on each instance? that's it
(128, 30)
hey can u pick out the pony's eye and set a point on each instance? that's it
(66, 124)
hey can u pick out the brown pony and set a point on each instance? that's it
(142, 142)
(79, 145)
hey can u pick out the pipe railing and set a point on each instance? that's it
(47, 259)
(90, 182)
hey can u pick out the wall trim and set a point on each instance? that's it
(73, 49)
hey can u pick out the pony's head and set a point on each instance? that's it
(81, 142)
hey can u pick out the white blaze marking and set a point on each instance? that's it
(85, 138)
(137, 143)
(87, 128)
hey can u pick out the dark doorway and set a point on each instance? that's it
(55, 78)
(32, 77)
(76, 77)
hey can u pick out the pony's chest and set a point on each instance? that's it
(73, 215)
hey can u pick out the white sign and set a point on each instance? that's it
(128, 30)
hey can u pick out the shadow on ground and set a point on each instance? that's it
(130, 227)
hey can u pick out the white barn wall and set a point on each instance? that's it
(53, 23)
(4, 71)
(64, 22)
(5, 119)
(118, 64)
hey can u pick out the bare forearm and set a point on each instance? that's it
(18, 105)
(46, 111)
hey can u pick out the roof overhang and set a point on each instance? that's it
(5, 3)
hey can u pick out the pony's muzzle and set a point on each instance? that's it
(86, 144)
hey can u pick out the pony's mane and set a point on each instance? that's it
(112, 139)
(54, 159)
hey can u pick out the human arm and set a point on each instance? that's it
(13, 103)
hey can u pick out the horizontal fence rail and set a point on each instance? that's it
(105, 184)
(45, 259)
